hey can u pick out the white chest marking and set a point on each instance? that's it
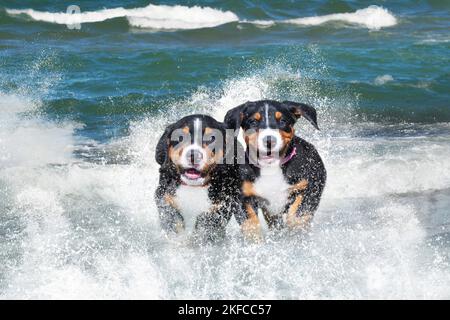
(192, 201)
(272, 186)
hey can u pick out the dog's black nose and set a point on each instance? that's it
(270, 142)
(194, 157)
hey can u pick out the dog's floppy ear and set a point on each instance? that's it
(234, 117)
(162, 148)
(302, 110)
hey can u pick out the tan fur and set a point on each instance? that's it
(170, 201)
(293, 221)
(248, 189)
(212, 157)
(299, 186)
(252, 139)
(251, 228)
(212, 160)
(278, 115)
(287, 136)
(175, 154)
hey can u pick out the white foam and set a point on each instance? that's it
(151, 16)
(384, 166)
(178, 17)
(91, 230)
(372, 17)
(380, 80)
(26, 140)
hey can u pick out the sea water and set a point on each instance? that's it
(81, 110)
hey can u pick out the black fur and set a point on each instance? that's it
(223, 187)
(306, 164)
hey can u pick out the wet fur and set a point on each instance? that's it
(304, 174)
(222, 190)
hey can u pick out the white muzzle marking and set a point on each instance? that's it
(266, 133)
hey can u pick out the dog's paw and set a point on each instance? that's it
(251, 229)
(299, 223)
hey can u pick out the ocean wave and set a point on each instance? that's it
(29, 140)
(380, 80)
(90, 230)
(151, 16)
(433, 41)
(372, 17)
(164, 17)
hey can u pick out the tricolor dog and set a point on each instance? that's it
(284, 175)
(196, 190)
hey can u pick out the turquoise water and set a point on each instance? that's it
(80, 110)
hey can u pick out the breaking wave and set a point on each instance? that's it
(82, 229)
(164, 17)
(373, 17)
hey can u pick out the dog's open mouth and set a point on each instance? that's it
(192, 174)
(269, 159)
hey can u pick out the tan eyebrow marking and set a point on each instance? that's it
(208, 130)
(257, 116)
(186, 129)
(278, 115)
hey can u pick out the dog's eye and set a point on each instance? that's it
(252, 123)
(177, 140)
(282, 122)
(210, 139)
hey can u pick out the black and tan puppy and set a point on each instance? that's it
(196, 189)
(284, 175)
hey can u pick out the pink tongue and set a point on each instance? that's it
(192, 174)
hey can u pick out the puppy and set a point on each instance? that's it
(196, 189)
(283, 175)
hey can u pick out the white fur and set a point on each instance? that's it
(272, 186)
(197, 146)
(192, 201)
(184, 158)
(269, 132)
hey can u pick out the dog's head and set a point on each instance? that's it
(268, 127)
(194, 145)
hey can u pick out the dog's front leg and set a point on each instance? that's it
(210, 226)
(170, 217)
(298, 218)
(247, 218)
(247, 214)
